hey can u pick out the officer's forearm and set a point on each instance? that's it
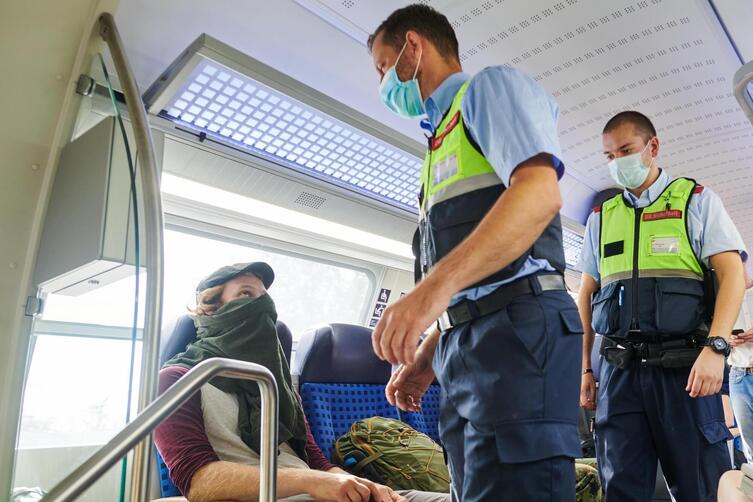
(588, 287)
(729, 272)
(507, 231)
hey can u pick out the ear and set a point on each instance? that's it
(654, 146)
(415, 42)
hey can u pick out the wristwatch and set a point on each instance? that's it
(718, 345)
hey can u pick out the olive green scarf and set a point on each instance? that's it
(244, 329)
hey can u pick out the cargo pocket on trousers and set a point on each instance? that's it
(571, 322)
(715, 432)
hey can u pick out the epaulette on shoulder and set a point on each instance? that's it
(698, 189)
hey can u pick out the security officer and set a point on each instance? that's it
(490, 250)
(647, 287)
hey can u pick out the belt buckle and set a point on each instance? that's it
(444, 323)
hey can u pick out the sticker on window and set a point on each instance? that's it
(665, 245)
(444, 169)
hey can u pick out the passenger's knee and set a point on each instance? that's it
(729, 488)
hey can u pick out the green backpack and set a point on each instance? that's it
(392, 453)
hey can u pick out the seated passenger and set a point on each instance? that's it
(211, 444)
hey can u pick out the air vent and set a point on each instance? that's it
(310, 200)
(348, 3)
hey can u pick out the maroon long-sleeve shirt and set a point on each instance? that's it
(183, 443)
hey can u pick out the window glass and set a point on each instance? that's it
(76, 391)
(306, 292)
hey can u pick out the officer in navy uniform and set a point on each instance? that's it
(491, 261)
(648, 262)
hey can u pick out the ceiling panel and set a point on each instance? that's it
(667, 58)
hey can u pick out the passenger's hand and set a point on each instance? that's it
(588, 391)
(707, 374)
(409, 383)
(742, 338)
(348, 488)
(396, 336)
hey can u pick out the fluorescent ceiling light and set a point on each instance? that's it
(192, 190)
(573, 243)
(236, 100)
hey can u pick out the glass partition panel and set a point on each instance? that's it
(81, 380)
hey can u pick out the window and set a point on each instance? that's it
(77, 388)
(307, 292)
(77, 391)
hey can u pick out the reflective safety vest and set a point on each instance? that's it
(652, 282)
(458, 187)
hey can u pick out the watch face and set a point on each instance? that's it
(720, 344)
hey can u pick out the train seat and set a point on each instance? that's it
(341, 381)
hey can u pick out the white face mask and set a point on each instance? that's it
(630, 171)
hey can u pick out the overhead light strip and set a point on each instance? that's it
(280, 216)
(236, 100)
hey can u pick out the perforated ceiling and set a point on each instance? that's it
(667, 58)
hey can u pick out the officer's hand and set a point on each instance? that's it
(409, 383)
(707, 374)
(588, 391)
(396, 336)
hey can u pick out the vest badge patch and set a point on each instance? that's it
(437, 141)
(444, 169)
(669, 214)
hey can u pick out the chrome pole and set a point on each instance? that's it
(743, 77)
(153, 247)
(164, 406)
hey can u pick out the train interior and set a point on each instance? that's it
(270, 143)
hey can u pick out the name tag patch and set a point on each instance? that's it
(665, 245)
(444, 169)
(669, 214)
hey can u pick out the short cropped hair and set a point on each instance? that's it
(424, 20)
(640, 122)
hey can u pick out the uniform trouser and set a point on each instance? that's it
(510, 383)
(741, 395)
(644, 414)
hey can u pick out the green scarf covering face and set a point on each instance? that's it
(244, 329)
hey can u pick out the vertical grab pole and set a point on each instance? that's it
(269, 428)
(153, 247)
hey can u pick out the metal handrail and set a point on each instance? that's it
(744, 76)
(153, 247)
(164, 406)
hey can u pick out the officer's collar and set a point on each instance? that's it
(440, 100)
(651, 193)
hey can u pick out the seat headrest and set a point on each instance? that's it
(339, 353)
(596, 356)
(177, 335)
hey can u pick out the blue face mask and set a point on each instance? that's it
(630, 171)
(403, 98)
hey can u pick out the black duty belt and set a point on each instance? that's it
(467, 310)
(678, 353)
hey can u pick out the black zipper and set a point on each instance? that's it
(636, 248)
(425, 233)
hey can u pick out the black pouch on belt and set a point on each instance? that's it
(617, 355)
(679, 358)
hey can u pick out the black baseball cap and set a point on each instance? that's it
(223, 274)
